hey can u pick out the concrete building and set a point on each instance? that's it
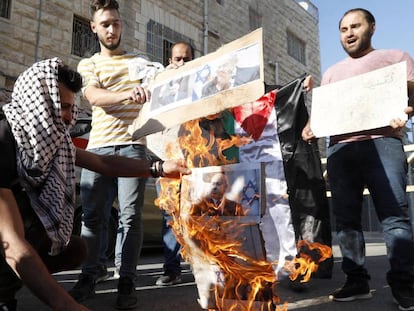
(34, 30)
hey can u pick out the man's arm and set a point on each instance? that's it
(98, 96)
(118, 166)
(102, 97)
(25, 261)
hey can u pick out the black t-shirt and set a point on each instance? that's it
(8, 169)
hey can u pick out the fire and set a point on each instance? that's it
(306, 264)
(236, 280)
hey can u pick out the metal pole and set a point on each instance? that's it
(39, 18)
(276, 73)
(205, 35)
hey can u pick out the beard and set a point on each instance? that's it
(112, 46)
(363, 45)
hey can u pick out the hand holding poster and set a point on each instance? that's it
(364, 102)
(229, 77)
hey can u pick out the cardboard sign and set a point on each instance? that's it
(364, 102)
(229, 77)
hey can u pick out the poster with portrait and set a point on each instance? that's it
(220, 212)
(234, 190)
(231, 76)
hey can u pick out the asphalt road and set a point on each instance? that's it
(184, 296)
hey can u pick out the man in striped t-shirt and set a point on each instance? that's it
(112, 87)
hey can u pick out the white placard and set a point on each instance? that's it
(363, 102)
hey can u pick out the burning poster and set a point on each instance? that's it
(220, 212)
(227, 191)
(207, 85)
(223, 239)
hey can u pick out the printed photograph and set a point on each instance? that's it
(228, 190)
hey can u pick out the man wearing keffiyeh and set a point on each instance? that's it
(37, 183)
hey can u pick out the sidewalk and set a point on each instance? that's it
(184, 296)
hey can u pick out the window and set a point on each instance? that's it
(296, 48)
(159, 41)
(255, 19)
(84, 41)
(5, 8)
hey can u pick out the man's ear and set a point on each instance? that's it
(372, 28)
(93, 27)
(169, 60)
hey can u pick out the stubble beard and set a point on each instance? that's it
(112, 46)
(363, 45)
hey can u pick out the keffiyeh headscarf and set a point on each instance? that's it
(45, 152)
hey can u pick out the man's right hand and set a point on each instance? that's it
(139, 94)
(175, 168)
(307, 134)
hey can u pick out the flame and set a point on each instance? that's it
(241, 282)
(310, 256)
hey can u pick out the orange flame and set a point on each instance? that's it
(243, 283)
(305, 265)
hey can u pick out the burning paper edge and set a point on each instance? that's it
(207, 274)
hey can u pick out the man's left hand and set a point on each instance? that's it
(398, 123)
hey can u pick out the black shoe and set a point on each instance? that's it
(84, 288)
(168, 279)
(126, 294)
(352, 290)
(102, 276)
(403, 296)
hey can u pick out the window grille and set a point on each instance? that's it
(255, 19)
(84, 41)
(160, 38)
(296, 48)
(5, 8)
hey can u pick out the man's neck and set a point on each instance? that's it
(110, 53)
(363, 53)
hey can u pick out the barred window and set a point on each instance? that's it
(296, 48)
(255, 19)
(5, 8)
(160, 39)
(84, 41)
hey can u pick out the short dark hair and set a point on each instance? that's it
(70, 78)
(185, 43)
(96, 5)
(368, 15)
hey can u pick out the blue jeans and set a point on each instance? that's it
(98, 193)
(172, 257)
(380, 165)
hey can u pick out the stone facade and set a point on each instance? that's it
(43, 29)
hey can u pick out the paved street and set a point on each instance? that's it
(184, 295)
